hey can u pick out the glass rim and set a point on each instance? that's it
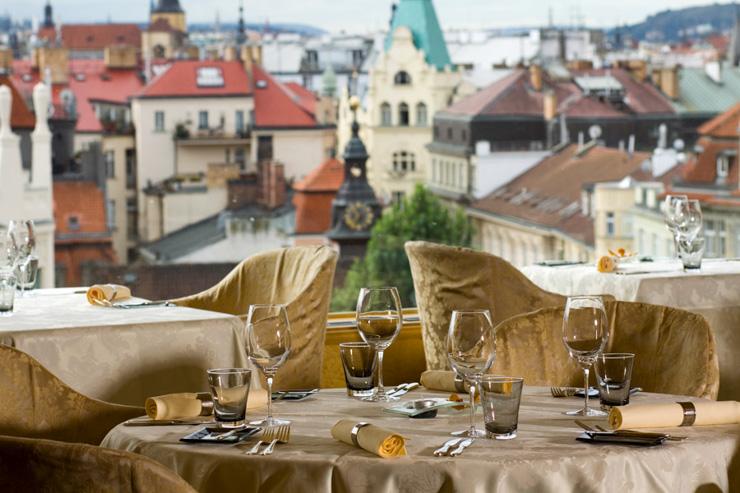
(380, 288)
(228, 371)
(354, 344)
(616, 356)
(501, 379)
(474, 310)
(267, 305)
(585, 297)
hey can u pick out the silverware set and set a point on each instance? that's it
(630, 433)
(454, 447)
(271, 436)
(403, 389)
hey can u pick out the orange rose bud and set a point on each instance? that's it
(606, 264)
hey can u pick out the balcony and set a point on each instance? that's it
(210, 137)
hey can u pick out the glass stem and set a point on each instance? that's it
(23, 279)
(472, 405)
(379, 355)
(269, 397)
(585, 390)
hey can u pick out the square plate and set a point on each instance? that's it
(206, 435)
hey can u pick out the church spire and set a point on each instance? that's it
(48, 15)
(240, 34)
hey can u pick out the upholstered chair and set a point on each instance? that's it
(37, 404)
(674, 349)
(453, 278)
(299, 277)
(45, 465)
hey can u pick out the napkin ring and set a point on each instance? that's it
(460, 384)
(355, 431)
(689, 413)
(206, 403)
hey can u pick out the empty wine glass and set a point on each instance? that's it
(585, 334)
(22, 245)
(688, 219)
(471, 349)
(669, 214)
(268, 346)
(379, 321)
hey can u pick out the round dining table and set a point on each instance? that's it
(545, 456)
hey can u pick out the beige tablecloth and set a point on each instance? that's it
(545, 457)
(118, 355)
(713, 292)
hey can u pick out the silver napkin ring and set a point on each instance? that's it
(689, 413)
(460, 384)
(206, 403)
(356, 430)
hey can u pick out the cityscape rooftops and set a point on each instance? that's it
(277, 105)
(700, 94)
(20, 115)
(94, 37)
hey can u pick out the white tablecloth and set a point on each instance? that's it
(545, 457)
(119, 355)
(713, 292)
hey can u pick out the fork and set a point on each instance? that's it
(563, 391)
(281, 435)
(268, 434)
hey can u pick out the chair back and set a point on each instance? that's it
(37, 404)
(454, 278)
(675, 351)
(300, 278)
(45, 465)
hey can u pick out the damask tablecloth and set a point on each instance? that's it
(122, 355)
(713, 292)
(545, 457)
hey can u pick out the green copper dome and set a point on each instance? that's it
(419, 16)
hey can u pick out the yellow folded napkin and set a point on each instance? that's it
(102, 294)
(378, 441)
(442, 380)
(606, 264)
(190, 404)
(672, 414)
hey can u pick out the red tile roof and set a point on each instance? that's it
(20, 115)
(83, 200)
(724, 125)
(95, 37)
(703, 170)
(180, 80)
(327, 177)
(161, 25)
(313, 197)
(275, 105)
(306, 98)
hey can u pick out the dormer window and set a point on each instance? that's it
(73, 223)
(723, 167)
(209, 77)
(402, 78)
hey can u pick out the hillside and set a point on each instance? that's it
(691, 22)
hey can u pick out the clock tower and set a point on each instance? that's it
(355, 209)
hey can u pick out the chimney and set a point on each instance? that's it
(57, 61)
(535, 77)
(713, 70)
(580, 141)
(550, 105)
(6, 60)
(272, 184)
(248, 61)
(120, 56)
(669, 82)
(230, 53)
(631, 145)
(41, 140)
(638, 69)
(191, 52)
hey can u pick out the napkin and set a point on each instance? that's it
(376, 440)
(183, 405)
(101, 293)
(671, 414)
(442, 380)
(606, 264)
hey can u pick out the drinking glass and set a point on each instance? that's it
(688, 219)
(585, 334)
(22, 244)
(669, 214)
(230, 390)
(471, 349)
(379, 321)
(268, 346)
(614, 373)
(691, 252)
(358, 361)
(7, 291)
(500, 398)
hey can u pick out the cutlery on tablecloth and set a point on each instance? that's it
(629, 433)
(563, 391)
(449, 444)
(162, 422)
(403, 389)
(292, 395)
(462, 446)
(273, 435)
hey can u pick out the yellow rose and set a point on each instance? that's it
(606, 264)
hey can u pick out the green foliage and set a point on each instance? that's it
(419, 217)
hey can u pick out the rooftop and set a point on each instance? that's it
(698, 93)
(79, 220)
(278, 105)
(20, 115)
(314, 195)
(185, 78)
(95, 37)
(724, 125)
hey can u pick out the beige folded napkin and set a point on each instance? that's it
(190, 404)
(101, 294)
(670, 415)
(375, 440)
(442, 380)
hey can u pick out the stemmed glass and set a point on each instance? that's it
(268, 346)
(585, 334)
(669, 213)
(22, 246)
(471, 349)
(379, 321)
(688, 219)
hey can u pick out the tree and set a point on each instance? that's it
(419, 217)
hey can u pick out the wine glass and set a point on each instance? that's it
(379, 321)
(669, 214)
(22, 239)
(585, 334)
(471, 349)
(268, 346)
(688, 219)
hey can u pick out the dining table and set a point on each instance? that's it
(544, 457)
(712, 291)
(122, 355)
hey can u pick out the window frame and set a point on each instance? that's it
(159, 121)
(404, 116)
(203, 120)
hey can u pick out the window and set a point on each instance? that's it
(403, 115)
(385, 115)
(449, 133)
(397, 197)
(402, 78)
(202, 120)
(610, 224)
(110, 164)
(240, 158)
(723, 167)
(130, 168)
(627, 225)
(716, 237)
(110, 214)
(159, 121)
(264, 148)
(434, 170)
(209, 77)
(436, 132)
(403, 161)
(73, 223)
(421, 115)
(239, 121)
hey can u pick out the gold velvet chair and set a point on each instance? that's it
(299, 277)
(37, 404)
(674, 349)
(46, 465)
(453, 278)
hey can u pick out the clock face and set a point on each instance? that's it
(356, 171)
(358, 216)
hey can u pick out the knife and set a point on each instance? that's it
(462, 446)
(403, 389)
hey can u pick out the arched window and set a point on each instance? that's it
(403, 115)
(402, 78)
(421, 115)
(404, 161)
(159, 51)
(385, 115)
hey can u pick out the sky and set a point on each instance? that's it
(361, 15)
